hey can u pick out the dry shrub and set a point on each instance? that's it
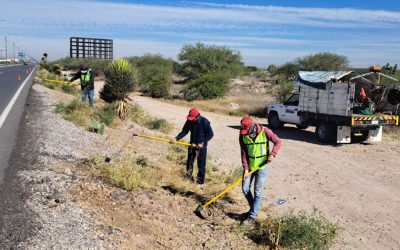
(131, 173)
(81, 114)
(291, 231)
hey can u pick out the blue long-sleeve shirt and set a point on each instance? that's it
(200, 131)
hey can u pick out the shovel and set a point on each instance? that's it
(163, 140)
(201, 209)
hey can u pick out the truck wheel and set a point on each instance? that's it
(302, 126)
(274, 122)
(325, 131)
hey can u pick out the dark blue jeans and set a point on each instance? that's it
(90, 94)
(201, 155)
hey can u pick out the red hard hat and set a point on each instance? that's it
(193, 114)
(245, 123)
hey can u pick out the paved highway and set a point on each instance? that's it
(15, 84)
(9, 83)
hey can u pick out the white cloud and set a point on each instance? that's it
(88, 15)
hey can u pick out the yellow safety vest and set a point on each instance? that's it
(85, 77)
(257, 150)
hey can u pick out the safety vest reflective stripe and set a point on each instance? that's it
(257, 150)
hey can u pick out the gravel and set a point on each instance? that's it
(42, 186)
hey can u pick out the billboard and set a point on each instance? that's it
(84, 47)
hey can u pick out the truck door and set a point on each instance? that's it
(291, 107)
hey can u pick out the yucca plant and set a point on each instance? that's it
(120, 81)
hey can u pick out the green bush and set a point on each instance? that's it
(155, 74)
(288, 70)
(75, 111)
(323, 62)
(207, 86)
(69, 89)
(107, 114)
(156, 123)
(201, 59)
(284, 89)
(69, 108)
(300, 231)
(272, 68)
(50, 85)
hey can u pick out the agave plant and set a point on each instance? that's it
(120, 81)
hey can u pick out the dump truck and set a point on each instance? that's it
(344, 106)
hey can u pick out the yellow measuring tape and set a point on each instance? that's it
(229, 188)
(163, 140)
(63, 82)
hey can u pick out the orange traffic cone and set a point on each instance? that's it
(18, 77)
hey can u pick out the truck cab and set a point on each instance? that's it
(287, 112)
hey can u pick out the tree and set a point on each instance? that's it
(120, 81)
(207, 86)
(272, 68)
(323, 62)
(288, 70)
(284, 88)
(155, 74)
(203, 59)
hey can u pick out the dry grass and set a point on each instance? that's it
(138, 115)
(216, 181)
(130, 173)
(301, 231)
(247, 104)
(81, 114)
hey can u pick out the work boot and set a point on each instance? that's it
(200, 182)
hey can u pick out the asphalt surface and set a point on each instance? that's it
(9, 83)
(11, 78)
(17, 222)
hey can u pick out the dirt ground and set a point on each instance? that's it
(355, 185)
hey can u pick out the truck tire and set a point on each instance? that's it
(273, 121)
(325, 131)
(302, 126)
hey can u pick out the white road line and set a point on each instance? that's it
(7, 110)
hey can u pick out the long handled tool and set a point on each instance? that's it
(201, 209)
(163, 140)
(58, 81)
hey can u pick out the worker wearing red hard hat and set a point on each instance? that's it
(200, 133)
(254, 145)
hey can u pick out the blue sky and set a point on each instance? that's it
(264, 32)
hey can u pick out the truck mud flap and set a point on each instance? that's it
(343, 134)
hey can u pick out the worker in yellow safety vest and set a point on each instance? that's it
(86, 76)
(254, 144)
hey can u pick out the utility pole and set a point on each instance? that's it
(5, 41)
(14, 50)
